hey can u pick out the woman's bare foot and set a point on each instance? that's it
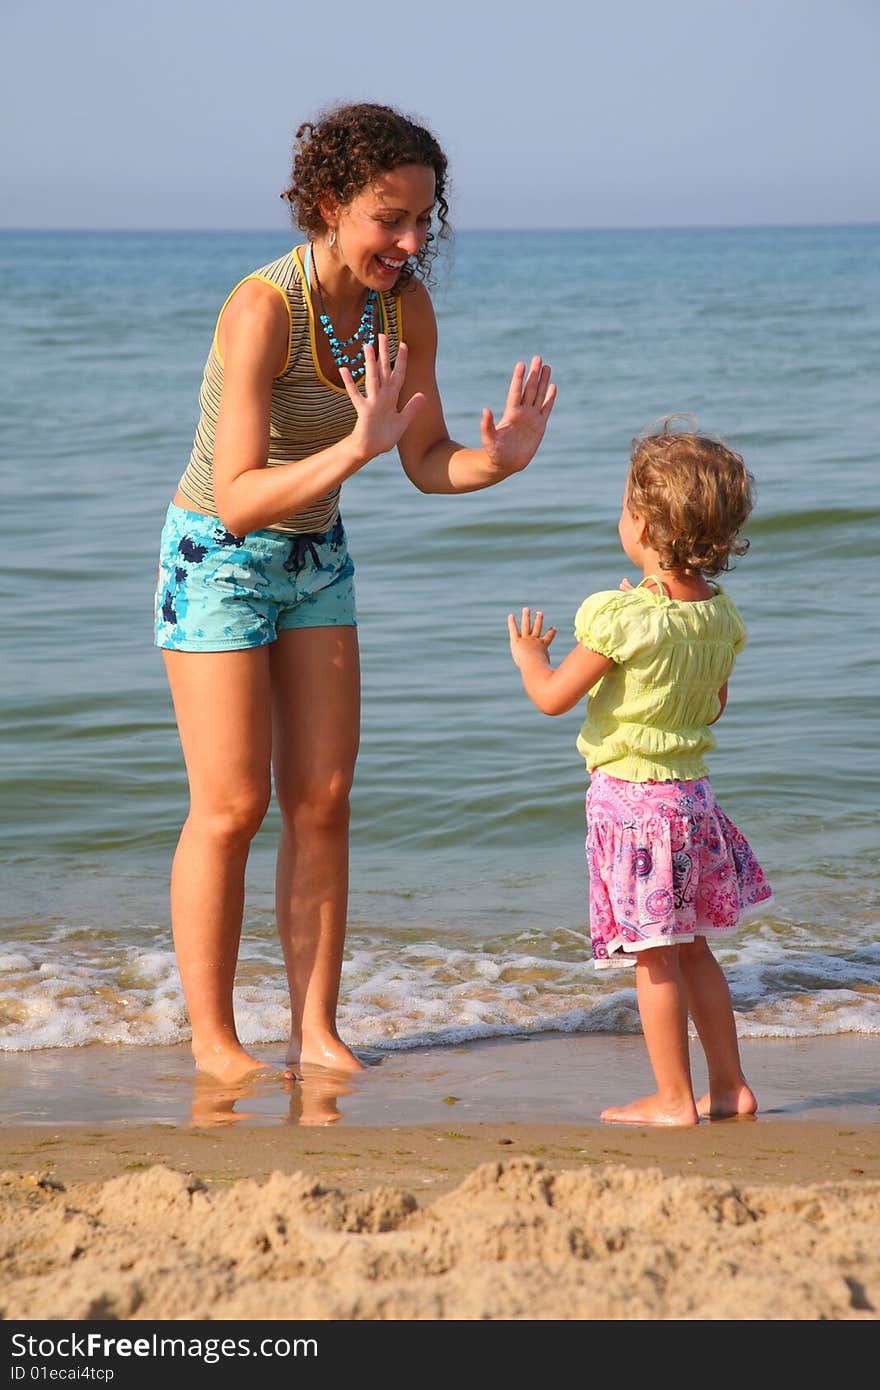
(213, 1105)
(721, 1105)
(652, 1110)
(315, 1100)
(323, 1050)
(228, 1062)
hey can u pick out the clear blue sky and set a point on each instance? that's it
(597, 113)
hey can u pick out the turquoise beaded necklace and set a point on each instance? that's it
(364, 333)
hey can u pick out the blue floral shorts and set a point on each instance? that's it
(218, 592)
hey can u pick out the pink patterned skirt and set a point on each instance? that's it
(666, 865)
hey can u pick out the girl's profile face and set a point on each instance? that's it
(386, 223)
(630, 530)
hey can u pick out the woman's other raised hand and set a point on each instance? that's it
(513, 442)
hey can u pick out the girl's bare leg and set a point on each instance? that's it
(663, 1011)
(222, 703)
(708, 997)
(316, 705)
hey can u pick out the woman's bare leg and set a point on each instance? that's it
(663, 1011)
(222, 703)
(708, 995)
(316, 705)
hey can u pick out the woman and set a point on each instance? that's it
(308, 379)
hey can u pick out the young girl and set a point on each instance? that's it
(668, 871)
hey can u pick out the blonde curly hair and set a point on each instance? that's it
(695, 495)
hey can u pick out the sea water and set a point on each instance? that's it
(468, 904)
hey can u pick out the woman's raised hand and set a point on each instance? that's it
(380, 424)
(512, 443)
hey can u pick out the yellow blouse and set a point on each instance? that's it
(648, 718)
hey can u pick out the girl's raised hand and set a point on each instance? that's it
(529, 639)
(379, 423)
(512, 443)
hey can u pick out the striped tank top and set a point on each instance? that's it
(308, 412)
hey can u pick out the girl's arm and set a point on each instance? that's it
(436, 463)
(253, 340)
(552, 691)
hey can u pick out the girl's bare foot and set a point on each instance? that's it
(721, 1105)
(323, 1050)
(228, 1062)
(652, 1110)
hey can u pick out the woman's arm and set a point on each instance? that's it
(552, 691)
(436, 463)
(253, 340)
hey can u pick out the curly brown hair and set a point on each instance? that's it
(695, 494)
(345, 150)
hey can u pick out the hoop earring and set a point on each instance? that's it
(331, 240)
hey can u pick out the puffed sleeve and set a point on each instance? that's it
(600, 624)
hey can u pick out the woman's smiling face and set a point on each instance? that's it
(385, 224)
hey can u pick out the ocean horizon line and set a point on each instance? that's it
(867, 223)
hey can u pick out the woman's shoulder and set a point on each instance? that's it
(256, 317)
(418, 325)
(268, 290)
(255, 301)
(415, 292)
(415, 300)
(285, 271)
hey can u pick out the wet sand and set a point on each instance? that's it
(459, 1183)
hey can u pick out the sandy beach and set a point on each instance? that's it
(442, 1184)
